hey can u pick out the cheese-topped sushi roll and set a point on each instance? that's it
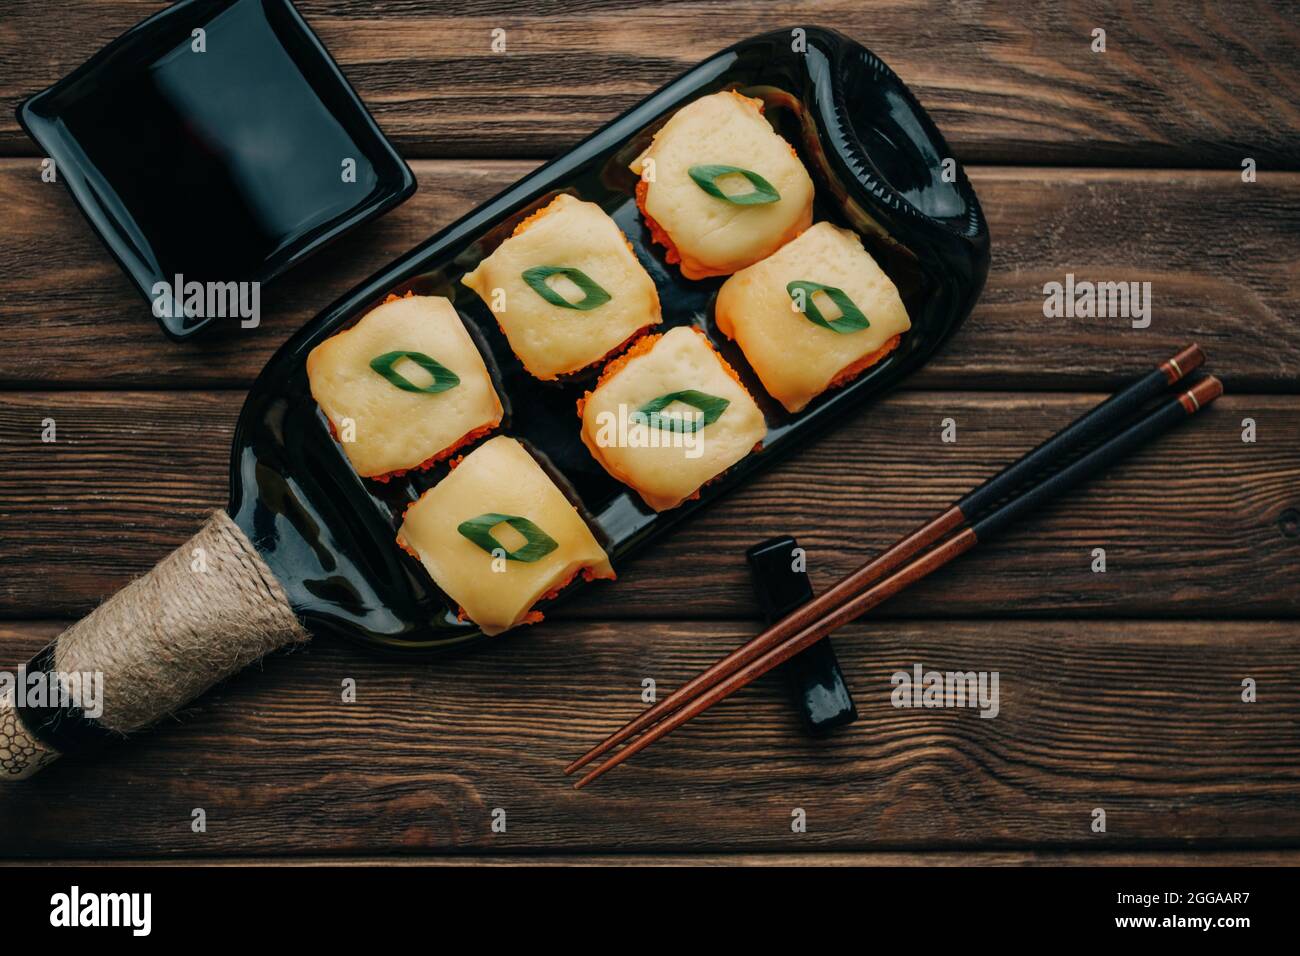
(497, 536)
(566, 288)
(668, 416)
(812, 316)
(404, 387)
(720, 189)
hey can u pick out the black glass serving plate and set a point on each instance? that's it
(217, 141)
(877, 162)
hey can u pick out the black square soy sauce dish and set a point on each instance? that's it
(878, 165)
(217, 141)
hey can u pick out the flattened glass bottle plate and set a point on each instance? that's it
(877, 162)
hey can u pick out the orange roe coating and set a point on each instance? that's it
(568, 376)
(850, 372)
(402, 544)
(536, 617)
(639, 347)
(528, 221)
(525, 225)
(692, 269)
(659, 235)
(468, 438)
(726, 366)
(657, 232)
(588, 575)
(546, 210)
(644, 345)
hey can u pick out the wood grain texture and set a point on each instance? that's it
(1119, 690)
(824, 858)
(1194, 526)
(1142, 719)
(69, 295)
(1186, 84)
(1221, 257)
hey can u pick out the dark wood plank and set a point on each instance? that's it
(1184, 86)
(1142, 719)
(1220, 256)
(98, 331)
(1195, 526)
(858, 858)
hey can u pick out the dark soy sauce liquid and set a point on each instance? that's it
(329, 534)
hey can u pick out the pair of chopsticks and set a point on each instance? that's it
(1005, 498)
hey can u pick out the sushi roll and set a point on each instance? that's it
(404, 387)
(720, 189)
(497, 536)
(566, 288)
(813, 316)
(668, 416)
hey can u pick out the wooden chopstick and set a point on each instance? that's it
(1135, 436)
(1083, 430)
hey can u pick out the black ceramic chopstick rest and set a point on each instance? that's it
(813, 676)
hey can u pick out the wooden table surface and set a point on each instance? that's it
(1120, 690)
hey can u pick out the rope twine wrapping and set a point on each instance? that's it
(205, 612)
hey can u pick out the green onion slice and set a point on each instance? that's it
(711, 405)
(479, 530)
(706, 177)
(851, 318)
(594, 295)
(443, 377)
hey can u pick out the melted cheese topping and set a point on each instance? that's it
(384, 428)
(713, 236)
(666, 475)
(499, 477)
(797, 359)
(549, 339)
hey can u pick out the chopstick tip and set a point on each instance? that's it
(599, 771)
